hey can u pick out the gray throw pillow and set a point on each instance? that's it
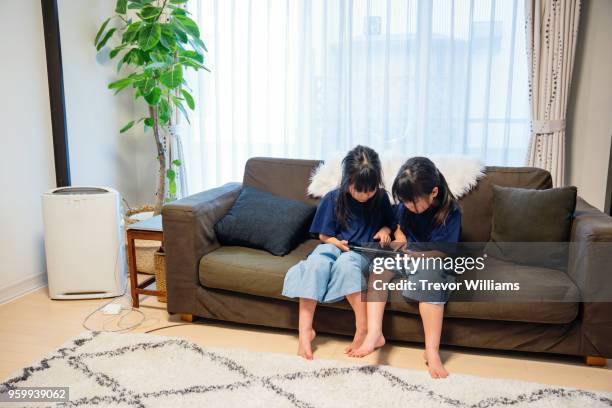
(262, 220)
(532, 226)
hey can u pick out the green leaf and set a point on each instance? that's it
(153, 97)
(148, 36)
(179, 12)
(104, 40)
(188, 25)
(194, 55)
(101, 30)
(176, 162)
(172, 187)
(155, 65)
(168, 38)
(127, 126)
(179, 105)
(116, 51)
(150, 12)
(188, 99)
(180, 34)
(172, 77)
(178, 1)
(197, 44)
(171, 174)
(190, 63)
(146, 85)
(136, 5)
(164, 111)
(121, 83)
(149, 122)
(130, 56)
(157, 56)
(121, 7)
(130, 33)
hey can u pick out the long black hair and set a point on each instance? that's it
(361, 168)
(417, 178)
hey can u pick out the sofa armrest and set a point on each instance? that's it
(591, 269)
(189, 234)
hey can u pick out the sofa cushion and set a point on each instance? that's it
(262, 220)
(256, 272)
(287, 178)
(526, 215)
(546, 296)
(477, 205)
(248, 270)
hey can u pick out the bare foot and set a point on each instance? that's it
(434, 364)
(371, 343)
(305, 340)
(357, 340)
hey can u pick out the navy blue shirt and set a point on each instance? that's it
(421, 227)
(362, 223)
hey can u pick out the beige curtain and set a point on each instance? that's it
(552, 28)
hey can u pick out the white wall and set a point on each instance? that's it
(99, 154)
(590, 104)
(27, 151)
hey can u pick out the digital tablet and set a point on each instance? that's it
(374, 250)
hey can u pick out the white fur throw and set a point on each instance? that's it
(461, 173)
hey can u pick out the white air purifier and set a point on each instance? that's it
(84, 242)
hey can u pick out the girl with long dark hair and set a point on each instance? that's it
(427, 214)
(357, 212)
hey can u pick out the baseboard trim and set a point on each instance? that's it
(23, 287)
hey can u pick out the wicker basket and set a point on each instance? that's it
(144, 249)
(160, 274)
(145, 254)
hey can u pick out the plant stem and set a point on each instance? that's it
(161, 11)
(161, 157)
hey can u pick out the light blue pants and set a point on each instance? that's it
(327, 275)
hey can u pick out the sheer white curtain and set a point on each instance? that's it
(309, 78)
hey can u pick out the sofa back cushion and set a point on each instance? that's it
(290, 177)
(477, 205)
(287, 178)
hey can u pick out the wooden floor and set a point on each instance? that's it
(34, 325)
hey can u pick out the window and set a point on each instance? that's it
(307, 79)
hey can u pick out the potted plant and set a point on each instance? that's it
(157, 43)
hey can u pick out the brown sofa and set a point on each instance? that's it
(244, 285)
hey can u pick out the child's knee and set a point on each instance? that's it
(327, 251)
(351, 260)
(347, 267)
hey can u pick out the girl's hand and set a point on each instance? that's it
(399, 235)
(342, 245)
(383, 236)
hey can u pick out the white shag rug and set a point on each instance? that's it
(461, 172)
(143, 370)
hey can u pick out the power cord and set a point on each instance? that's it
(167, 327)
(120, 316)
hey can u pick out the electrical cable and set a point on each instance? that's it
(130, 309)
(121, 329)
(167, 327)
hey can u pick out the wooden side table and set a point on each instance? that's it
(150, 229)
